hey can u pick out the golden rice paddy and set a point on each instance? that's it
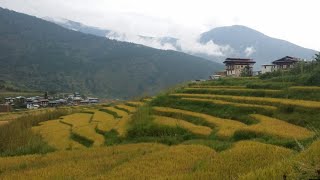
(260, 100)
(278, 128)
(266, 125)
(235, 89)
(134, 103)
(226, 127)
(129, 108)
(231, 103)
(57, 135)
(105, 122)
(201, 130)
(146, 161)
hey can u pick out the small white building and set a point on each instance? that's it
(214, 77)
(267, 68)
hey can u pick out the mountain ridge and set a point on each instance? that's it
(40, 55)
(241, 41)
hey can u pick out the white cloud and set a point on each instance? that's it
(249, 51)
(193, 46)
(173, 18)
(187, 44)
(151, 42)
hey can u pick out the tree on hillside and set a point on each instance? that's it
(317, 57)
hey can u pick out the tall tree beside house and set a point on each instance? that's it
(246, 72)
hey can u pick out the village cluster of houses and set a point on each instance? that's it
(48, 101)
(236, 67)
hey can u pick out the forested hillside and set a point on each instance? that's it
(36, 54)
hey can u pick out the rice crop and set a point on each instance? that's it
(214, 89)
(246, 156)
(305, 165)
(3, 122)
(181, 159)
(266, 125)
(128, 108)
(134, 103)
(226, 127)
(277, 128)
(89, 133)
(305, 88)
(259, 100)
(57, 135)
(231, 103)
(245, 160)
(120, 113)
(79, 164)
(243, 157)
(196, 129)
(105, 122)
(77, 119)
(122, 125)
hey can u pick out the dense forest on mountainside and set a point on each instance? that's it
(39, 55)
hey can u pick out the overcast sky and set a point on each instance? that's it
(294, 20)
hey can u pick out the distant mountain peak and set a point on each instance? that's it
(247, 42)
(232, 41)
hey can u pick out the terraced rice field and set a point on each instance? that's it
(258, 100)
(123, 123)
(87, 126)
(77, 120)
(57, 135)
(231, 103)
(182, 135)
(279, 128)
(105, 122)
(234, 89)
(226, 127)
(266, 125)
(130, 109)
(201, 130)
(134, 103)
(148, 161)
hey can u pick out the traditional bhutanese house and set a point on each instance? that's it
(43, 102)
(285, 62)
(77, 100)
(235, 66)
(53, 103)
(93, 100)
(267, 68)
